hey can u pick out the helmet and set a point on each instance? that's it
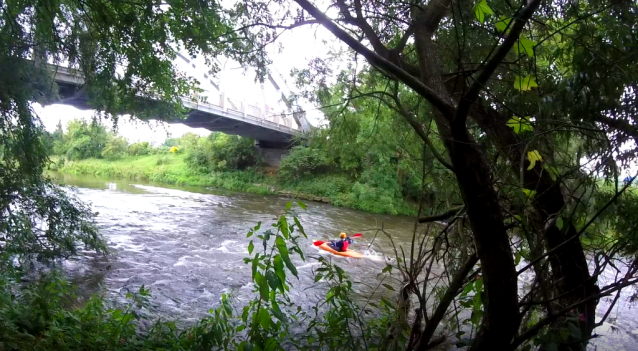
(342, 235)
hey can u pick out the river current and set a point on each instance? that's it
(187, 245)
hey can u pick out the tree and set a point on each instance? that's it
(510, 87)
(115, 147)
(84, 140)
(124, 51)
(219, 152)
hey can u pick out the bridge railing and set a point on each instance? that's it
(261, 114)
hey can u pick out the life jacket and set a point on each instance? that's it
(341, 245)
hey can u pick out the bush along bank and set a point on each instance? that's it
(232, 162)
(174, 169)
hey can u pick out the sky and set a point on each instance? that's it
(297, 48)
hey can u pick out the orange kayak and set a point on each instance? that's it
(348, 253)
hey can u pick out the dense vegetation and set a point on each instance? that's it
(501, 117)
(372, 179)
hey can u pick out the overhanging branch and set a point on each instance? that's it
(472, 94)
(376, 60)
(445, 215)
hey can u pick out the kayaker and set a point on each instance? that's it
(341, 244)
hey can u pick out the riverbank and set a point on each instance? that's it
(173, 169)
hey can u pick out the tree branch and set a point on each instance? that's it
(376, 60)
(582, 230)
(403, 41)
(435, 12)
(547, 320)
(445, 215)
(419, 130)
(472, 94)
(455, 285)
(620, 125)
(361, 22)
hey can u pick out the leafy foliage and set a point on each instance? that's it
(220, 152)
(302, 162)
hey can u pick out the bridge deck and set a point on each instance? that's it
(269, 128)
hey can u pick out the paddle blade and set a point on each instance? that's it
(318, 242)
(357, 235)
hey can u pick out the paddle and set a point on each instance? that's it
(319, 242)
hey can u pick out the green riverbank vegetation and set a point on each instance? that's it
(511, 121)
(367, 178)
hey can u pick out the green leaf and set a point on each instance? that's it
(525, 84)
(477, 302)
(244, 315)
(283, 251)
(477, 316)
(261, 282)
(478, 284)
(520, 125)
(278, 314)
(481, 9)
(288, 205)
(330, 295)
(271, 344)
(389, 287)
(264, 318)
(517, 258)
(246, 346)
(267, 235)
(250, 247)
(529, 193)
(502, 24)
(387, 303)
(279, 270)
(467, 289)
(525, 45)
(559, 223)
(273, 280)
(254, 265)
(303, 232)
(553, 171)
(387, 269)
(533, 156)
(318, 277)
(302, 205)
(283, 227)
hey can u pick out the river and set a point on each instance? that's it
(187, 245)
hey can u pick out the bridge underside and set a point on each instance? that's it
(265, 136)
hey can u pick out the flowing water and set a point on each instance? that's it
(187, 245)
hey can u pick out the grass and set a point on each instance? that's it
(173, 169)
(169, 169)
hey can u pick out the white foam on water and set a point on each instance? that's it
(182, 261)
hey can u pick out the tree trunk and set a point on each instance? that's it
(570, 272)
(501, 318)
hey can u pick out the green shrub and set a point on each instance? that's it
(303, 162)
(139, 149)
(115, 148)
(84, 140)
(220, 152)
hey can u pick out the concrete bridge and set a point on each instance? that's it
(270, 128)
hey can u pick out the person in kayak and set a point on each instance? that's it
(341, 245)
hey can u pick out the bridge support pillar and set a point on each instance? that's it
(272, 152)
